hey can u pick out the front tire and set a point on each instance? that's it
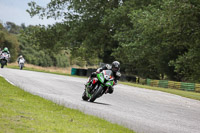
(96, 94)
(21, 66)
(3, 62)
(84, 97)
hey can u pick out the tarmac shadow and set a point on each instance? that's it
(98, 103)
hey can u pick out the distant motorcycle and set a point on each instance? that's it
(4, 59)
(21, 63)
(100, 84)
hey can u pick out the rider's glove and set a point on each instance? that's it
(118, 74)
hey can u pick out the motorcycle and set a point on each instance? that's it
(100, 85)
(4, 59)
(21, 63)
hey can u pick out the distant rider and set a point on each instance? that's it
(5, 50)
(20, 58)
(116, 73)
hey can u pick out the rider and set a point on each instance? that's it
(5, 50)
(116, 73)
(20, 57)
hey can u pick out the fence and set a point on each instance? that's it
(157, 83)
(82, 72)
(174, 85)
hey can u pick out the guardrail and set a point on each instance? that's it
(82, 72)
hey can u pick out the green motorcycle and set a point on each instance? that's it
(99, 86)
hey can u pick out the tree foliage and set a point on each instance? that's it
(86, 26)
(152, 39)
(10, 41)
(39, 54)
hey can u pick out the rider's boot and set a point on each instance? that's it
(110, 90)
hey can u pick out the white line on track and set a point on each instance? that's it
(7, 80)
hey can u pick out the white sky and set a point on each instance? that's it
(15, 11)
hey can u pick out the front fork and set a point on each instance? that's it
(90, 86)
(91, 82)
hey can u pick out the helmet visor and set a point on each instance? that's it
(115, 69)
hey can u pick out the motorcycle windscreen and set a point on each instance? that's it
(108, 74)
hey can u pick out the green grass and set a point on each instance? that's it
(22, 112)
(188, 94)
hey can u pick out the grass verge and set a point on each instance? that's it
(54, 70)
(22, 112)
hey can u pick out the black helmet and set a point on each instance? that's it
(115, 66)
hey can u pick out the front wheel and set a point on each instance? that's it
(84, 96)
(96, 94)
(21, 66)
(3, 62)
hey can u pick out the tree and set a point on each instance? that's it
(152, 39)
(161, 37)
(13, 28)
(85, 22)
(10, 41)
(41, 56)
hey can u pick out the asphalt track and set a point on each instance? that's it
(142, 110)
